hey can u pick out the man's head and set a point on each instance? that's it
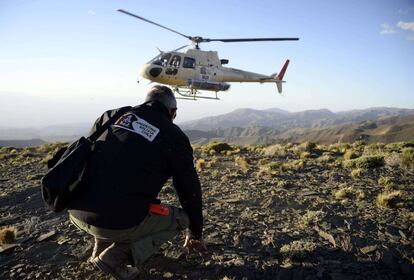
(164, 95)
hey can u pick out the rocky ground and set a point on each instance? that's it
(280, 212)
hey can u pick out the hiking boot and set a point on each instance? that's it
(113, 260)
(98, 248)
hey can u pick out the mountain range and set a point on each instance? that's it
(250, 126)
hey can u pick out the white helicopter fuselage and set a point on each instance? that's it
(199, 70)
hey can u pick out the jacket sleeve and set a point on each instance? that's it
(187, 184)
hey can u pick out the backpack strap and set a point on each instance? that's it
(108, 123)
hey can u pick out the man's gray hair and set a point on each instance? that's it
(162, 94)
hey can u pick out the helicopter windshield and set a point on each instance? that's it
(161, 60)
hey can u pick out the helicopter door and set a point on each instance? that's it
(204, 73)
(173, 65)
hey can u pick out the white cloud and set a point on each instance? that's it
(92, 13)
(387, 29)
(406, 25)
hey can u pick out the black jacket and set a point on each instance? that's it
(131, 162)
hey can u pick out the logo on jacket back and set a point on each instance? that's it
(133, 123)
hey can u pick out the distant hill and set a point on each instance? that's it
(65, 132)
(283, 120)
(381, 127)
(21, 143)
(250, 126)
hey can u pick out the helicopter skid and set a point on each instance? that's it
(192, 94)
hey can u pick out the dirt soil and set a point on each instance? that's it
(267, 216)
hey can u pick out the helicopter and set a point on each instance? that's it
(194, 70)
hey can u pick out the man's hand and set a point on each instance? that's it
(197, 245)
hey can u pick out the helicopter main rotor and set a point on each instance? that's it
(196, 40)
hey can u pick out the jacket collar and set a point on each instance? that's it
(158, 107)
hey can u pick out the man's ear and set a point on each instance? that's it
(173, 113)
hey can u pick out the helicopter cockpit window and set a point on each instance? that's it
(189, 62)
(175, 61)
(162, 60)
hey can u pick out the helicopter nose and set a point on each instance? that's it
(144, 71)
(150, 71)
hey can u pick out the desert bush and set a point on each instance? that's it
(326, 157)
(51, 148)
(305, 155)
(374, 149)
(242, 163)
(359, 144)
(304, 147)
(385, 181)
(351, 154)
(215, 174)
(7, 235)
(399, 146)
(364, 162)
(200, 164)
(312, 217)
(339, 148)
(360, 195)
(390, 199)
(217, 147)
(407, 158)
(276, 150)
(392, 159)
(297, 248)
(356, 173)
(343, 193)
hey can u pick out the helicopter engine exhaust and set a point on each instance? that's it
(208, 85)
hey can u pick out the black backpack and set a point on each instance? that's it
(68, 166)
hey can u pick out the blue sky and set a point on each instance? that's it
(67, 61)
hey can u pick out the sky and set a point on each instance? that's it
(67, 62)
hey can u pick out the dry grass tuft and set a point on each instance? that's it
(351, 154)
(344, 193)
(7, 235)
(390, 199)
(356, 173)
(242, 163)
(407, 158)
(200, 164)
(364, 162)
(217, 148)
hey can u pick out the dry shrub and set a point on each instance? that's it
(304, 147)
(364, 162)
(7, 235)
(351, 154)
(276, 150)
(242, 162)
(217, 147)
(339, 148)
(305, 155)
(407, 158)
(385, 181)
(393, 159)
(312, 217)
(356, 173)
(343, 193)
(390, 199)
(360, 195)
(200, 164)
(297, 248)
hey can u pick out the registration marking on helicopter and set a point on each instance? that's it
(133, 123)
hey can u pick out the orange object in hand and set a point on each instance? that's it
(159, 209)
